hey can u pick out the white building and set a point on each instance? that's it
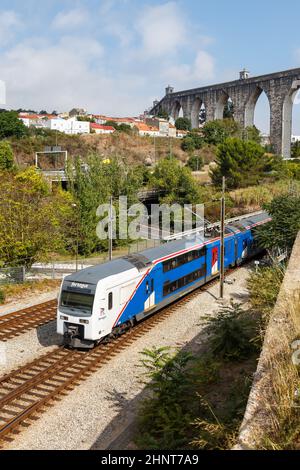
(69, 126)
(101, 129)
(35, 120)
(161, 124)
(147, 131)
(295, 138)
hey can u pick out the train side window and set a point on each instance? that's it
(183, 259)
(152, 285)
(110, 301)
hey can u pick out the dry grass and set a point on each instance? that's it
(279, 398)
(17, 292)
(256, 196)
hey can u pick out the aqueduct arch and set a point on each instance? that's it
(175, 110)
(280, 88)
(196, 108)
(222, 100)
(288, 117)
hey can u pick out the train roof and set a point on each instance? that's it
(94, 274)
(185, 243)
(141, 261)
(245, 222)
(173, 247)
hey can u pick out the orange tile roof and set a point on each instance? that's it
(102, 127)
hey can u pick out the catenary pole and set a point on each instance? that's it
(222, 244)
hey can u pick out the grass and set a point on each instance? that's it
(15, 292)
(263, 286)
(255, 197)
(198, 401)
(282, 396)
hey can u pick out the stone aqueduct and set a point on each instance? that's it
(281, 89)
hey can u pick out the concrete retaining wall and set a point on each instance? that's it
(268, 397)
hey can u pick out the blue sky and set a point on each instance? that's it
(117, 56)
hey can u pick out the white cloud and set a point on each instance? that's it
(204, 67)
(199, 72)
(76, 70)
(162, 29)
(70, 19)
(9, 22)
(62, 75)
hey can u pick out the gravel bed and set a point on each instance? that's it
(31, 300)
(22, 349)
(98, 410)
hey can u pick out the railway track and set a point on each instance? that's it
(17, 323)
(29, 391)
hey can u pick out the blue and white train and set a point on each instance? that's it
(102, 301)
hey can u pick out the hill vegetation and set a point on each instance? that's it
(122, 164)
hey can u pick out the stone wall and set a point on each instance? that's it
(276, 378)
(280, 89)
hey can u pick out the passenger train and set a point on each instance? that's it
(102, 301)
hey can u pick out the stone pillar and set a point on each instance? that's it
(276, 127)
(210, 106)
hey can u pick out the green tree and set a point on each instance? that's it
(242, 163)
(296, 149)
(85, 119)
(163, 114)
(183, 124)
(91, 185)
(11, 125)
(112, 124)
(175, 183)
(231, 332)
(119, 127)
(252, 133)
(124, 128)
(282, 230)
(214, 132)
(195, 163)
(33, 220)
(193, 141)
(228, 110)
(188, 144)
(6, 156)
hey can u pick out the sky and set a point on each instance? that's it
(115, 57)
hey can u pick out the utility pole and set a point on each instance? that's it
(222, 244)
(110, 230)
(76, 209)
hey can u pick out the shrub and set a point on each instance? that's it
(2, 297)
(195, 163)
(183, 124)
(165, 416)
(215, 132)
(281, 231)
(242, 163)
(263, 286)
(11, 126)
(6, 156)
(231, 332)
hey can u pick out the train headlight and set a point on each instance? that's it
(62, 317)
(85, 322)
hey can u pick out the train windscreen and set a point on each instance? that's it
(77, 303)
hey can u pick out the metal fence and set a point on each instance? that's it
(60, 269)
(12, 275)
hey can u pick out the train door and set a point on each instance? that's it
(150, 293)
(245, 249)
(215, 261)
